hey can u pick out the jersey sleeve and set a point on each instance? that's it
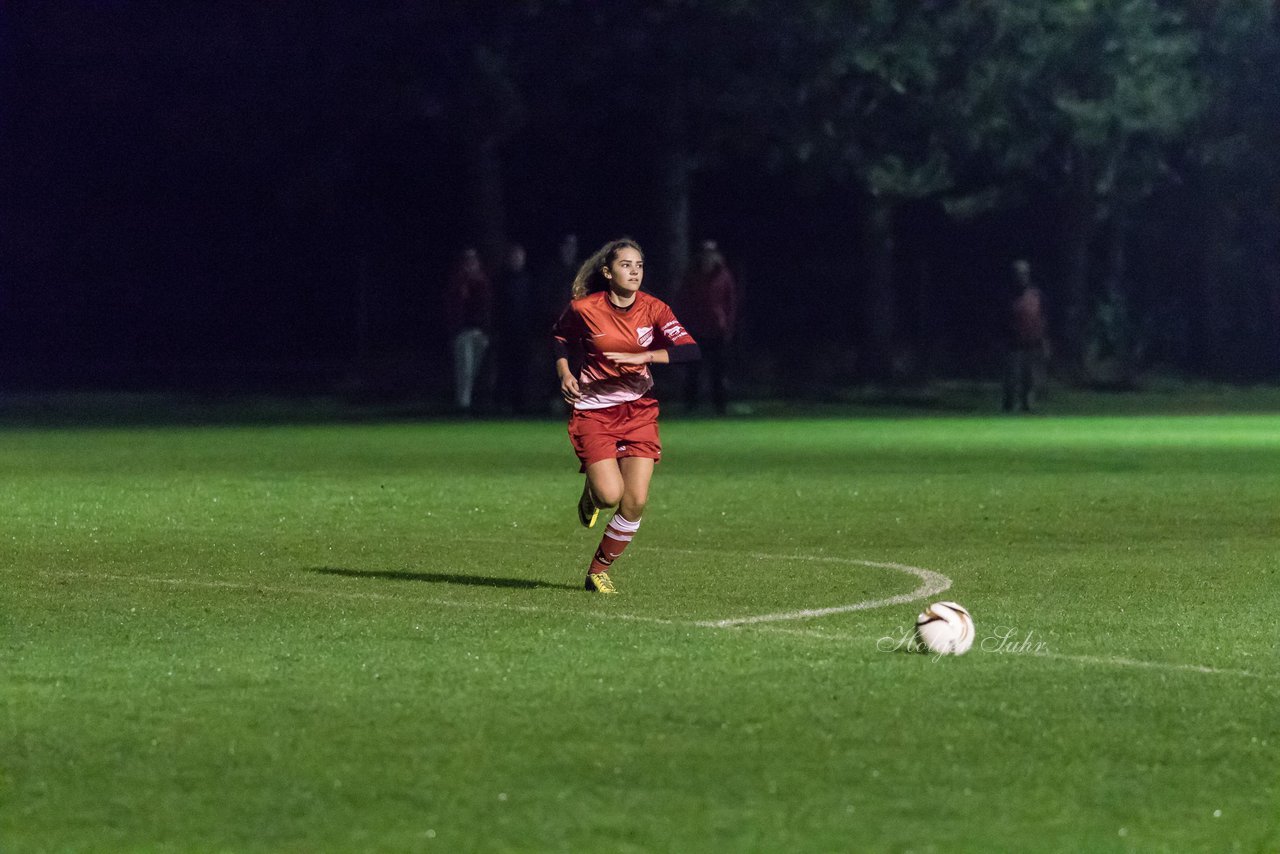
(564, 332)
(671, 332)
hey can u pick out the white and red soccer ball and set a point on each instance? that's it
(945, 628)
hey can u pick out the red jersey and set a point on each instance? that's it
(593, 325)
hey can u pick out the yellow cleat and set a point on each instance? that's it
(598, 582)
(587, 510)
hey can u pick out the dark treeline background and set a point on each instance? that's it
(248, 193)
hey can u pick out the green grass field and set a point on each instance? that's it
(371, 637)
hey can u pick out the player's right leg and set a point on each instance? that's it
(588, 512)
(597, 448)
(599, 582)
(603, 488)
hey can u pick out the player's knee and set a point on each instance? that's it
(632, 506)
(607, 496)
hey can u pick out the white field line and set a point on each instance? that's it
(764, 623)
(934, 583)
(1154, 665)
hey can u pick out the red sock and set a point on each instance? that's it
(615, 539)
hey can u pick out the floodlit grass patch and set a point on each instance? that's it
(371, 637)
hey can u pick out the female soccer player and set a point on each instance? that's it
(613, 331)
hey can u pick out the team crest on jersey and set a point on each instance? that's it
(645, 335)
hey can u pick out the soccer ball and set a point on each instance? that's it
(945, 628)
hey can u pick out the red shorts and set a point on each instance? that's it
(624, 430)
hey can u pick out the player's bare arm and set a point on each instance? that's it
(679, 353)
(645, 357)
(569, 388)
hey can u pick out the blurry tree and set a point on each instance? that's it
(684, 76)
(866, 106)
(286, 147)
(190, 145)
(883, 96)
(1233, 192)
(1091, 99)
(463, 70)
(977, 104)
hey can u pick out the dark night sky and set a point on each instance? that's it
(195, 183)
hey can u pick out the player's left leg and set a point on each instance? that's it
(636, 473)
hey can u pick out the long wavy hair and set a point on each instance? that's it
(590, 276)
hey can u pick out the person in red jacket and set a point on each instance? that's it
(709, 303)
(1026, 340)
(604, 343)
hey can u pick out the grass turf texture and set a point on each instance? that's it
(371, 637)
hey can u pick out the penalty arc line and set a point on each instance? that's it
(761, 625)
(933, 584)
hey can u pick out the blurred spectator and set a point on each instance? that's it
(469, 312)
(1026, 340)
(556, 279)
(708, 304)
(554, 283)
(516, 329)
